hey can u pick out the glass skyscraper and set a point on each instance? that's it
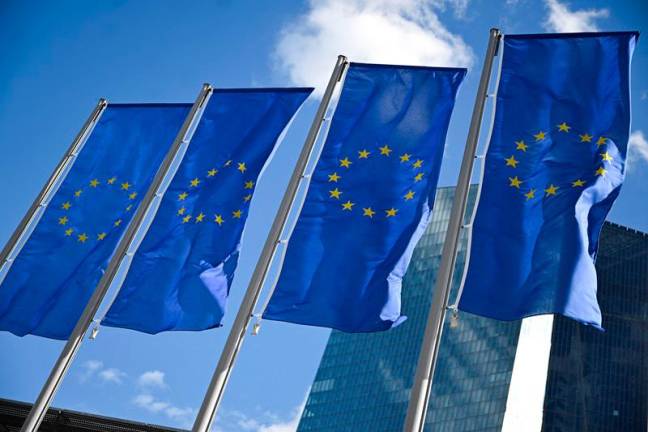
(596, 381)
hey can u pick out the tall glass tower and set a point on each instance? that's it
(364, 380)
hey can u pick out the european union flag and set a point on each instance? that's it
(181, 274)
(369, 199)
(554, 166)
(58, 268)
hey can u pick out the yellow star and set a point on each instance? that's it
(186, 219)
(132, 195)
(601, 141)
(82, 237)
(63, 220)
(418, 177)
(237, 214)
(334, 177)
(409, 195)
(418, 163)
(94, 183)
(112, 180)
(512, 162)
(540, 136)
(346, 163)
(249, 184)
(551, 190)
(348, 205)
(200, 217)
(585, 138)
(101, 236)
(601, 171)
(368, 212)
(212, 172)
(183, 196)
(195, 182)
(66, 205)
(69, 231)
(529, 195)
(363, 154)
(563, 127)
(125, 186)
(335, 193)
(391, 212)
(78, 193)
(606, 156)
(385, 150)
(247, 197)
(515, 182)
(405, 157)
(219, 219)
(181, 211)
(241, 167)
(578, 183)
(118, 222)
(521, 145)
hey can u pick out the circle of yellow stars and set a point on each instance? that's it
(219, 218)
(521, 146)
(345, 164)
(82, 236)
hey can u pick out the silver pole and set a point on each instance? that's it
(422, 387)
(52, 182)
(226, 361)
(72, 345)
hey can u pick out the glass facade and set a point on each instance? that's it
(364, 380)
(596, 381)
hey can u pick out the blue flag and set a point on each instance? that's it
(369, 199)
(58, 268)
(554, 166)
(181, 274)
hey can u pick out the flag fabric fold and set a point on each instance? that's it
(181, 273)
(58, 268)
(369, 199)
(554, 166)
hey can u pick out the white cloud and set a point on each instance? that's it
(154, 378)
(89, 367)
(266, 421)
(379, 31)
(563, 20)
(113, 375)
(93, 365)
(150, 403)
(637, 149)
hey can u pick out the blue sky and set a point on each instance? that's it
(60, 57)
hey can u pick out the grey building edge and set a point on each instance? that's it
(596, 382)
(13, 414)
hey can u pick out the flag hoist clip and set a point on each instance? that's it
(95, 329)
(256, 327)
(454, 316)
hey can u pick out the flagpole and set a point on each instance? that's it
(41, 200)
(422, 386)
(226, 361)
(39, 409)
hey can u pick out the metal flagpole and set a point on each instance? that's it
(41, 200)
(73, 343)
(422, 387)
(226, 361)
